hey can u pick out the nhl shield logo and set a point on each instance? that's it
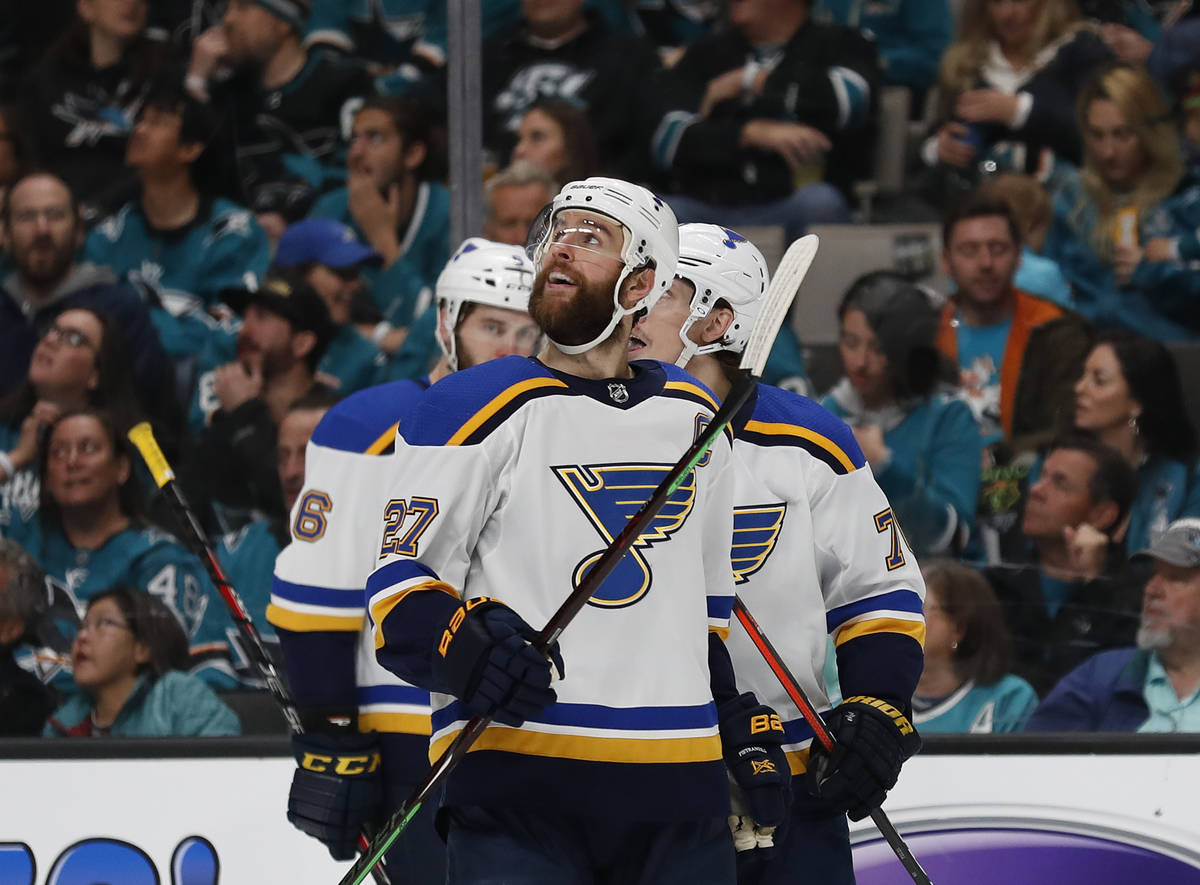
(618, 393)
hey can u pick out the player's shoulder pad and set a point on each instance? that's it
(365, 422)
(684, 386)
(783, 418)
(463, 408)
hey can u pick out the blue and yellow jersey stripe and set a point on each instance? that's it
(302, 608)
(896, 612)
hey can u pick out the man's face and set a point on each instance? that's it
(154, 142)
(982, 259)
(1170, 607)
(376, 148)
(572, 298)
(1060, 497)
(42, 230)
(488, 333)
(656, 335)
(514, 210)
(265, 341)
(254, 35)
(337, 287)
(295, 430)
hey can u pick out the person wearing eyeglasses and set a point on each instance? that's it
(41, 227)
(80, 360)
(92, 535)
(128, 659)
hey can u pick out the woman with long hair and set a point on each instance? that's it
(1130, 397)
(556, 136)
(922, 443)
(1133, 186)
(129, 658)
(966, 685)
(1007, 85)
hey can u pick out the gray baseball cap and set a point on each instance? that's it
(1179, 544)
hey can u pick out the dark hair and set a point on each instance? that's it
(115, 389)
(968, 599)
(979, 205)
(1153, 379)
(152, 624)
(579, 139)
(318, 399)
(197, 122)
(129, 493)
(17, 134)
(416, 122)
(1113, 479)
(905, 322)
(6, 208)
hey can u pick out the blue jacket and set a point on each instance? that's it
(174, 705)
(1104, 693)
(932, 480)
(1167, 490)
(1161, 299)
(911, 34)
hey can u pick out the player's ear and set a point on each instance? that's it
(637, 286)
(715, 325)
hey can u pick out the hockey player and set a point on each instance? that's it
(816, 552)
(350, 705)
(616, 773)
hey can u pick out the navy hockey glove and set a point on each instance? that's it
(872, 738)
(336, 789)
(484, 658)
(751, 740)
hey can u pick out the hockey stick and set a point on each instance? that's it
(142, 436)
(800, 699)
(776, 304)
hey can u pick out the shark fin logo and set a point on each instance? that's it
(610, 495)
(755, 531)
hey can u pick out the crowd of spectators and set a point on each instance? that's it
(223, 217)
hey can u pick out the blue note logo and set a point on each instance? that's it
(609, 495)
(755, 531)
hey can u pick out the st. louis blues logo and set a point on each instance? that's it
(755, 531)
(610, 495)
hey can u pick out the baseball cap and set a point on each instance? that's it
(325, 241)
(1179, 545)
(293, 12)
(295, 301)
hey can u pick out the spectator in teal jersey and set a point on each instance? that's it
(248, 555)
(179, 240)
(80, 360)
(922, 443)
(93, 535)
(128, 657)
(393, 208)
(911, 35)
(325, 254)
(1130, 397)
(966, 686)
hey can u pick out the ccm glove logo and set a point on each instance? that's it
(348, 766)
(457, 618)
(898, 719)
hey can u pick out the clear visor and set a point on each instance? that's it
(584, 230)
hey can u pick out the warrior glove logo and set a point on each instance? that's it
(610, 495)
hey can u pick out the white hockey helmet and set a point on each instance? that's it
(480, 272)
(721, 264)
(651, 237)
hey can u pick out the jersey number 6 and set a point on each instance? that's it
(396, 516)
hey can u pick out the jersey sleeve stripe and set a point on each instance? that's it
(896, 600)
(326, 597)
(398, 581)
(775, 433)
(581, 716)
(307, 621)
(385, 440)
(393, 722)
(393, 694)
(506, 399)
(899, 625)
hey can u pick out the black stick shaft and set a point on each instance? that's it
(821, 731)
(570, 607)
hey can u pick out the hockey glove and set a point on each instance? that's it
(484, 658)
(751, 740)
(336, 789)
(872, 738)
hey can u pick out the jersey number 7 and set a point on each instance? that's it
(884, 521)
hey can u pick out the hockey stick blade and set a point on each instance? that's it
(778, 301)
(547, 636)
(822, 733)
(142, 437)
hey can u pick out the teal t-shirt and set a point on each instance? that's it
(980, 358)
(1168, 713)
(1054, 593)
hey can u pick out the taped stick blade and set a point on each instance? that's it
(778, 301)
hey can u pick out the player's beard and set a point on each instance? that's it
(578, 320)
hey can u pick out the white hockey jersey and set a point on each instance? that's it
(513, 480)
